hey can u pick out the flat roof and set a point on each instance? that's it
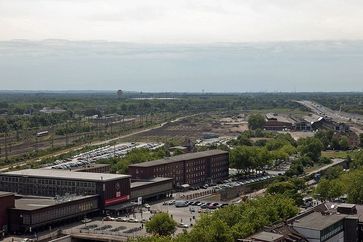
(317, 221)
(313, 118)
(279, 117)
(88, 167)
(267, 236)
(346, 205)
(155, 180)
(6, 194)
(65, 174)
(42, 202)
(178, 158)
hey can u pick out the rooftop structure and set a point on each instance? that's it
(141, 183)
(65, 174)
(267, 236)
(279, 117)
(34, 203)
(317, 221)
(111, 188)
(6, 194)
(178, 158)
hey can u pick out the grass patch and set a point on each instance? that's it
(335, 154)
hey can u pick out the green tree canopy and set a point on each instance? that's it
(256, 121)
(310, 147)
(161, 224)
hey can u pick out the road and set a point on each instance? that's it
(355, 120)
(334, 163)
(105, 142)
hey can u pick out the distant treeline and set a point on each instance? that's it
(21, 110)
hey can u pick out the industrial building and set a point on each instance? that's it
(321, 226)
(36, 199)
(111, 188)
(279, 122)
(192, 168)
(327, 222)
(36, 213)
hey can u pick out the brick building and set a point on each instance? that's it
(192, 168)
(7, 200)
(111, 188)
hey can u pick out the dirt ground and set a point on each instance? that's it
(193, 129)
(298, 135)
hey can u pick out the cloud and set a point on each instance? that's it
(181, 21)
(97, 65)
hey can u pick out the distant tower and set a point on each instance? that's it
(119, 93)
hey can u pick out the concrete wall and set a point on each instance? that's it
(337, 238)
(66, 238)
(233, 192)
(310, 234)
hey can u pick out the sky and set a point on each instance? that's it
(181, 21)
(181, 45)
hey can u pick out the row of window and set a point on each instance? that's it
(61, 212)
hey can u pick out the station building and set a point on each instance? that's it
(7, 201)
(39, 213)
(192, 168)
(110, 188)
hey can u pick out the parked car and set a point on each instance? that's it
(181, 203)
(182, 225)
(121, 219)
(109, 218)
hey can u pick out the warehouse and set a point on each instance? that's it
(111, 188)
(192, 168)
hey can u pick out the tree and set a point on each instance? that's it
(215, 230)
(289, 189)
(161, 224)
(241, 158)
(325, 160)
(240, 221)
(256, 121)
(279, 187)
(354, 186)
(311, 147)
(361, 140)
(343, 143)
(325, 137)
(333, 172)
(329, 189)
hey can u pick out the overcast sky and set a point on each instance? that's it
(182, 45)
(181, 21)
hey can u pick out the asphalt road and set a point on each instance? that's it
(355, 120)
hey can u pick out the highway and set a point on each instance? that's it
(354, 120)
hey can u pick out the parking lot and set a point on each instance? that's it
(134, 224)
(104, 152)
